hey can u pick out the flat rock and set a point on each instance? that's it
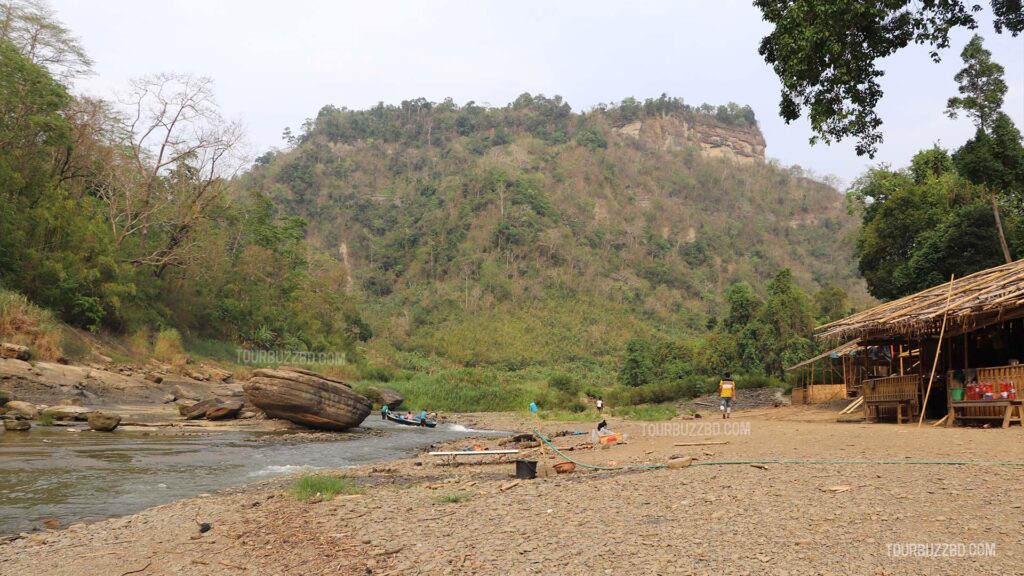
(183, 393)
(104, 422)
(67, 412)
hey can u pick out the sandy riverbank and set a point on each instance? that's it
(734, 519)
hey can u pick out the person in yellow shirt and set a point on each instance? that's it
(726, 395)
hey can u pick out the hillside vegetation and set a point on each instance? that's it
(534, 235)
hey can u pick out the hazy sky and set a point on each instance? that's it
(277, 63)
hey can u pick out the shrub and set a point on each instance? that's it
(24, 323)
(168, 346)
(564, 383)
(577, 407)
(380, 373)
(46, 420)
(758, 381)
(327, 487)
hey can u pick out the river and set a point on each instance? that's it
(83, 476)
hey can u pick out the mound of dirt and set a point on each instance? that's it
(745, 400)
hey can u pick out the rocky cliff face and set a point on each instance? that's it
(715, 139)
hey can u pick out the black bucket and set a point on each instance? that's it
(526, 469)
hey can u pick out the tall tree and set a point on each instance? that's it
(825, 52)
(990, 162)
(34, 29)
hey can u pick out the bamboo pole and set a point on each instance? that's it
(938, 349)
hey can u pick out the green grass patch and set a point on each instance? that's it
(46, 420)
(327, 487)
(453, 498)
(646, 412)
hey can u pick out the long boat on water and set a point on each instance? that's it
(410, 421)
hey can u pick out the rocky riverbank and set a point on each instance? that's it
(419, 516)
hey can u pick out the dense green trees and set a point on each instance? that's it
(946, 214)
(757, 337)
(826, 54)
(130, 220)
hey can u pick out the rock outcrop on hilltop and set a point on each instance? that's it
(715, 139)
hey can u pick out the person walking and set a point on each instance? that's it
(599, 404)
(726, 395)
(384, 411)
(423, 417)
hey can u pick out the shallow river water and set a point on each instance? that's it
(50, 472)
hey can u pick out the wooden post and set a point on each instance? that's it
(938, 348)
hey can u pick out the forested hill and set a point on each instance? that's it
(531, 233)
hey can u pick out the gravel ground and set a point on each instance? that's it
(418, 517)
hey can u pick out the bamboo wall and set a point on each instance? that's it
(818, 393)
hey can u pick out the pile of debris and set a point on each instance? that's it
(746, 399)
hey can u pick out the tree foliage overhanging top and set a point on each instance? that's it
(825, 52)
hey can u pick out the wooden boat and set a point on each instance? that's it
(409, 421)
(307, 398)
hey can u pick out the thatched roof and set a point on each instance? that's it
(837, 352)
(978, 300)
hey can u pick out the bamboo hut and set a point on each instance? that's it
(831, 375)
(963, 335)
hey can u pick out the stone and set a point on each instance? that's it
(17, 425)
(390, 397)
(306, 398)
(104, 422)
(182, 393)
(224, 411)
(20, 409)
(16, 351)
(676, 463)
(199, 409)
(67, 412)
(196, 375)
(168, 398)
(70, 402)
(154, 377)
(229, 391)
(5, 397)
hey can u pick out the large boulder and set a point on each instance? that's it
(67, 412)
(229, 409)
(390, 397)
(21, 410)
(5, 397)
(104, 422)
(17, 425)
(307, 398)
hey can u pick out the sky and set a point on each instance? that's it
(277, 63)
